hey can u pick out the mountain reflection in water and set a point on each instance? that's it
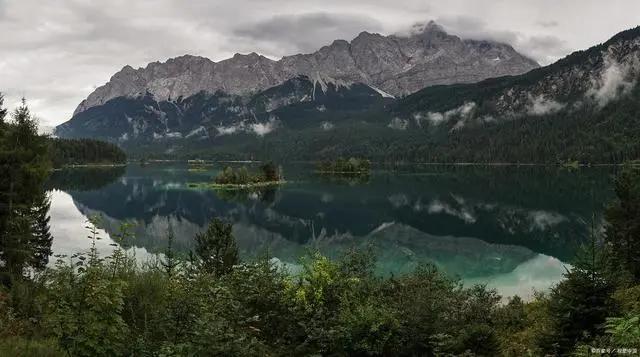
(509, 227)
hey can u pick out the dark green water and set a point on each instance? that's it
(511, 227)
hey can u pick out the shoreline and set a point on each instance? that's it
(391, 163)
(235, 187)
(88, 166)
(342, 172)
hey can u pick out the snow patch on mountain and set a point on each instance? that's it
(382, 227)
(381, 92)
(197, 131)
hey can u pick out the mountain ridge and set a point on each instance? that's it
(396, 64)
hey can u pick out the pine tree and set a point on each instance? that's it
(25, 241)
(41, 238)
(270, 172)
(3, 111)
(170, 261)
(581, 302)
(623, 222)
(216, 248)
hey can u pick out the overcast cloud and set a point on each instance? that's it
(56, 52)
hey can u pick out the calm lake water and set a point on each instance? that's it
(513, 228)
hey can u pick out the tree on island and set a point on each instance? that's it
(271, 172)
(242, 176)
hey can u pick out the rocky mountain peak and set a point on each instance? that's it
(364, 34)
(427, 28)
(250, 56)
(124, 73)
(127, 69)
(340, 43)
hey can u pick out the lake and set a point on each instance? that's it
(513, 228)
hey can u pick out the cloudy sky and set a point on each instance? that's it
(55, 52)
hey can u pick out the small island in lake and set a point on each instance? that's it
(242, 179)
(343, 167)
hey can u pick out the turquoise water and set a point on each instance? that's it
(512, 228)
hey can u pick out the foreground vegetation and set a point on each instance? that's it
(210, 303)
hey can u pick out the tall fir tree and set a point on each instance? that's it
(216, 248)
(25, 241)
(40, 238)
(623, 222)
(582, 301)
(3, 111)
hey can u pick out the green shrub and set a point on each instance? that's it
(21, 347)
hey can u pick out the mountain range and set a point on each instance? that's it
(428, 96)
(396, 64)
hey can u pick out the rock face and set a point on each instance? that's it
(396, 64)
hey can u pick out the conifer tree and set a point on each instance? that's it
(623, 222)
(216, 248)
(581, 302)
(41, 238)
(25, 241)
(3, 111)
(171, 260)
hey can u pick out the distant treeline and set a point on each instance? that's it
(84, 152)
